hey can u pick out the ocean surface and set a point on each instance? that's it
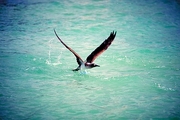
(139, 77)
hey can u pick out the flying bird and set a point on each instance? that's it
(88, 63)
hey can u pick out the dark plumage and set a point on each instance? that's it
(89, 60)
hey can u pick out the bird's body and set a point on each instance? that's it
(88, 63)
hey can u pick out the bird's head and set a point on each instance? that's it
(95, 65)
(91, 65)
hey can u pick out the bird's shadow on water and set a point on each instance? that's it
(85, 80)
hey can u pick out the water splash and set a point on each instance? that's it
(83, 72)
(49, 61)
(163, 87)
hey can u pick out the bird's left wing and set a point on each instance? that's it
(78, 58)
(101, 48)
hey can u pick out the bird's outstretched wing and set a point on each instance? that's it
(101, 48)
(78, 58)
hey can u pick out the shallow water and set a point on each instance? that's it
(139, 74)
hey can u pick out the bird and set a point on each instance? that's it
(89, 62)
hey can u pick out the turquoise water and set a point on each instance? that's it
(139, 77)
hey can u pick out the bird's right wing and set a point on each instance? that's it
(101, 48)
(78, 58)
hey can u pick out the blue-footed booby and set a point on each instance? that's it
(88, 63)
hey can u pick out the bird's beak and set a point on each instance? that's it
(97, 66)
